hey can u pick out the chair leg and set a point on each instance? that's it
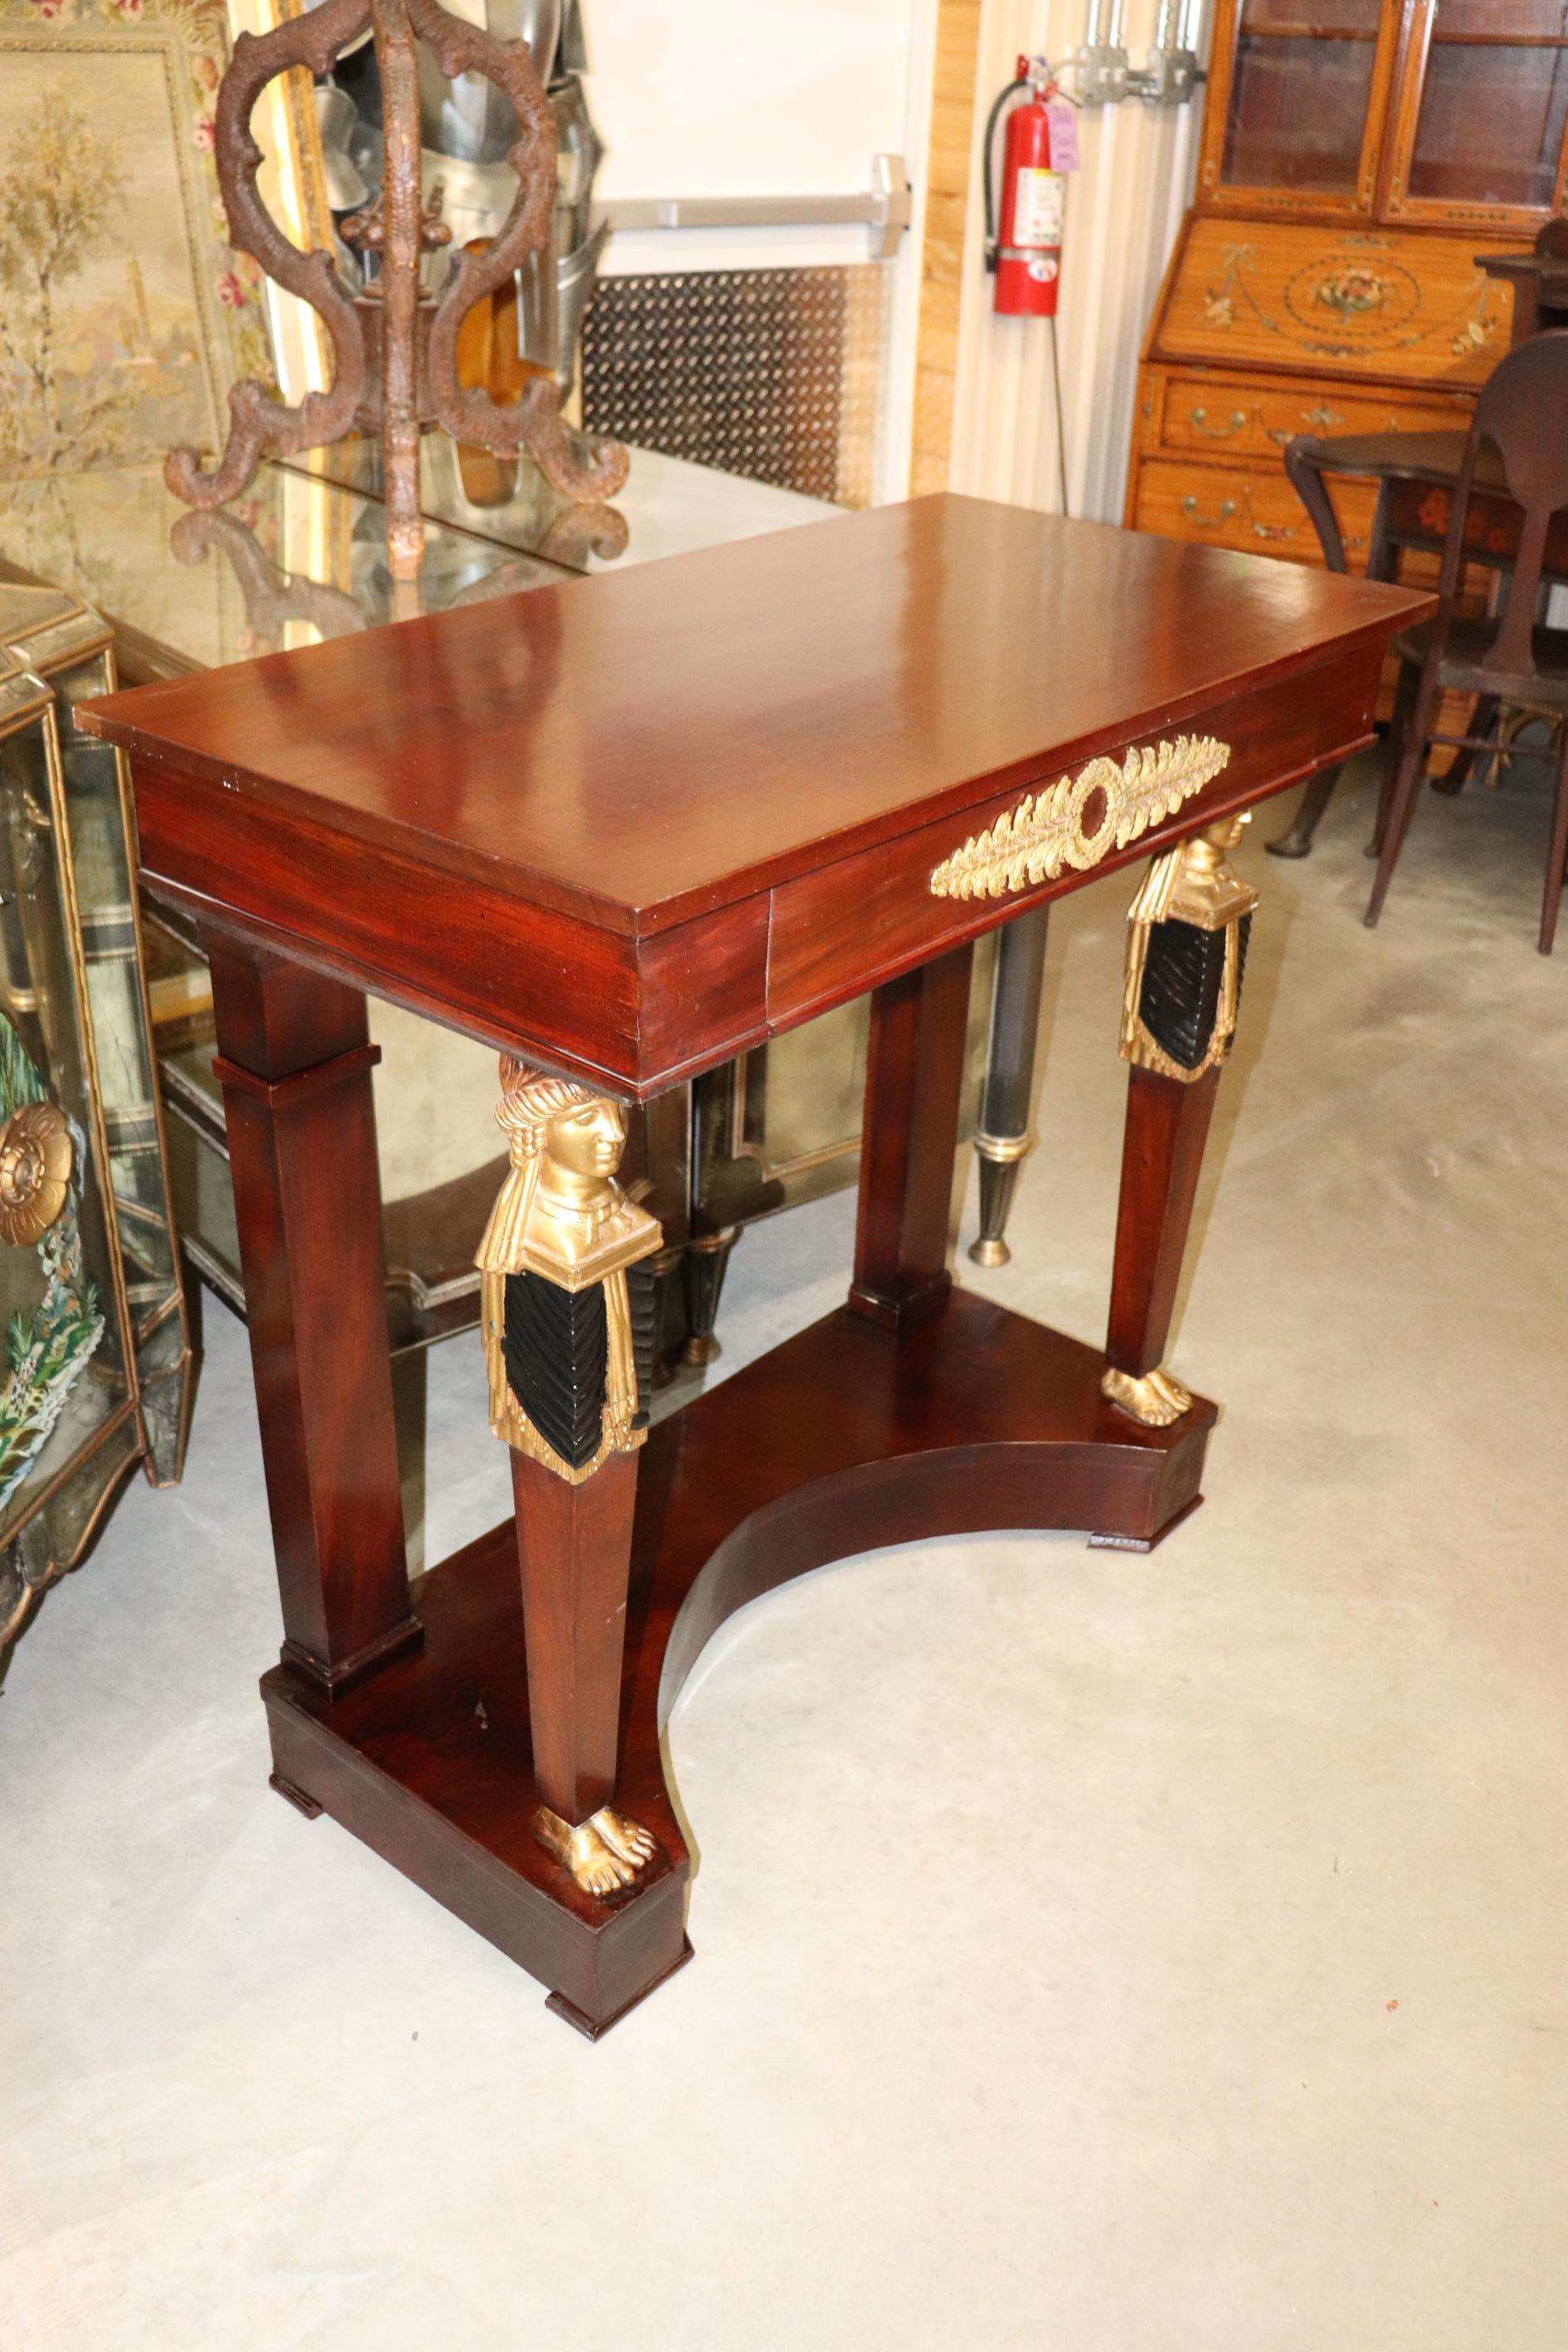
(1393, 745)
(1297, 840)
(1557, 854)
(1482, 721)
(1395, 822)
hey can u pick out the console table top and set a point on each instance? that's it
(636, 749)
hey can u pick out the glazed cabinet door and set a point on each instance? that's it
(1298, 100)
(1479, 118)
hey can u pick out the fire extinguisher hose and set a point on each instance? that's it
(990, 195)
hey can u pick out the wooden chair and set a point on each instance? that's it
(1510, 656)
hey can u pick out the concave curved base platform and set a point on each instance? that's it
(845, 1438)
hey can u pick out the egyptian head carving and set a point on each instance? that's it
(557, 1314)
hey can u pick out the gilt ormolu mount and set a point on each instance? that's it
(567, 1313)
(395, 347)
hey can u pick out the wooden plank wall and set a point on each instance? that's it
(941, 262)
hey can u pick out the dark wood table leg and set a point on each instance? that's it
(573, 1547)
(1161, 1152)
(1186, 952)
(295, 1061)
(914, 1073)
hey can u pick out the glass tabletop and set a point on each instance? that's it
(302, 554)
(668, 506)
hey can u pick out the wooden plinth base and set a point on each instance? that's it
(848, 1437)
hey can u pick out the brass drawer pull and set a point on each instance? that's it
(1208, 522)
(1316, 420)
(1199, 418)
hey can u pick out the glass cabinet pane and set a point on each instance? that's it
(64, 1374)
(1493, 105)
(123, 1046)
(1300, 87)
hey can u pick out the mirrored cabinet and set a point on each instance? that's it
(97, 1366)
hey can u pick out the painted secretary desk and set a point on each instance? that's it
(1355, 160)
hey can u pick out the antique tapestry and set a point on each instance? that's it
(124, 316)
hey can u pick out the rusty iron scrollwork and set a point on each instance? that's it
(261, 426)
(395, 348)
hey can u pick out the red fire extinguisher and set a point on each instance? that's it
(1025, 251)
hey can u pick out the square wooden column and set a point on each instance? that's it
(914, 1074)
(295, 1064)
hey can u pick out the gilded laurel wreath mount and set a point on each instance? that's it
(1080, 819)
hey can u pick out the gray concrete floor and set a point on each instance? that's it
(1094, 1953)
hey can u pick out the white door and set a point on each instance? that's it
(759, 98)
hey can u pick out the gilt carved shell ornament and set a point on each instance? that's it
(47, 1342)
(1080, 819)
(34, 1172)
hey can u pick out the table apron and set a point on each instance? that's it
(821, 924)
(638, 1015)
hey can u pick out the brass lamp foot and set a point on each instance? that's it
(999, 1156)
(1155, 1399)
(603, 1853)
(705, 1264)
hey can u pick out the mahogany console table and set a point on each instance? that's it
(622, 830)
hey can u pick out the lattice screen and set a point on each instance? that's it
(773, 373)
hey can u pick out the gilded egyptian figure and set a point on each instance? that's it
(555, 1310)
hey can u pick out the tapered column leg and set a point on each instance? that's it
(908, 1144)
(1187, 953)
(295, 1063)
(567, 1313)
(1005, 1139)
(1162, 1153)
(573, 1547)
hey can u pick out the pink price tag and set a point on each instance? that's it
(1063, 120)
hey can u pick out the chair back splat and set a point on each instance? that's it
(1522, 420)
(1523, 412)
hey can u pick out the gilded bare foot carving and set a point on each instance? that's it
(603, 1853)
(1156, 1400)
(623, 1837)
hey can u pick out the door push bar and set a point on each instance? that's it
(885, 209)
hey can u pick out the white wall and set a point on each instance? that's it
(756, 98)
(1123, 210)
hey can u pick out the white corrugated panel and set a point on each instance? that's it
(1124, 207)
